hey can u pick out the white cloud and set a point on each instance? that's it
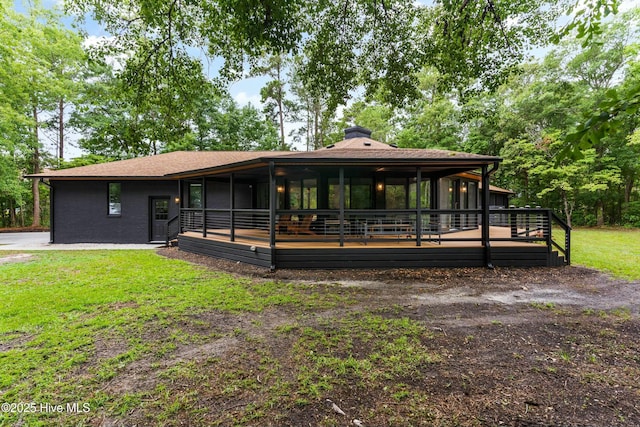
(243, 98)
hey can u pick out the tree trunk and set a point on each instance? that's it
(61, 129)
(308, 126)
(316, 126)
(628, 189)
(12, 213)
(280, 107)
(599, 214)
(35, 186)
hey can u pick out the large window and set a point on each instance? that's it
(358, 193)
(303, 194)
(334, 193)
(115, 204)
(425, 194)
(195, 196)
(361, 193)
(395, 193)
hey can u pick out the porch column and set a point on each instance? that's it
(486, 243)
(204, 206)
(434, 200)
(273, 202)
(232, 206)
(180, 204)
(341, 219)
(52, 216)
(418, 206)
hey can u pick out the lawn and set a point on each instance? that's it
(134, 338)
(60, 309)
(616, 251)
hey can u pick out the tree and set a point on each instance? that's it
(380, 45)
(37, 54)
(314, 110)
(538, 109)
(432, 121)
(276, 105)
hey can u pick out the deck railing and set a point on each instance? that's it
(424, 226)
(173, 228)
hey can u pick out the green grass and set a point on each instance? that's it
(615, 251)
(363, 349)
(57, 306)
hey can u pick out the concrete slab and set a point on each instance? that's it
(40, 241)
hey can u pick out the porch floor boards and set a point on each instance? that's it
(248, 237)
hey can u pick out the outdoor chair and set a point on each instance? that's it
(284, 224)
(303, 226)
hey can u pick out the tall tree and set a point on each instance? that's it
(38, 52)
(380, 45)
(432, 120)
(274, 94)
(312, 109)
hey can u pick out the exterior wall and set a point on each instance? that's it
(499, 199)
(80, 211)
(218, 195)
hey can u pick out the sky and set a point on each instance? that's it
(246, 91)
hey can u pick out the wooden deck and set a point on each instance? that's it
(259, 238)
(313, 251)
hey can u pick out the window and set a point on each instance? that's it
(115, 206)
(303, 194)
(361, 192)
(195, 196)
(295, 195)
(309, 193)
(395, 193)
(160, 209)
(357, 193)
(425, 194)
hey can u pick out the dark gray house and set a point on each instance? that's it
(353, 204)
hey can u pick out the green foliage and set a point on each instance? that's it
(379, 46)
(39, 65)
(537, 112)
(631, 216)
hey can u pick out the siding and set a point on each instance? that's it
(80, 210)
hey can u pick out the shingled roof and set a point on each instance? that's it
(353, 150)
(154, 167)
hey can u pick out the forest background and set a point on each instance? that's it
(448, 74)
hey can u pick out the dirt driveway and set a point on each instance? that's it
(518, 347)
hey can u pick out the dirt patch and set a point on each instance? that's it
(511, 346)
(15, 258)
(574, 285)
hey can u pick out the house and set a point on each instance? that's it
(356, 203)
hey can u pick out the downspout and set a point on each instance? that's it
(486, 242)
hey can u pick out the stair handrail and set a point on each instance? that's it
(172, 230)
(566, 250)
